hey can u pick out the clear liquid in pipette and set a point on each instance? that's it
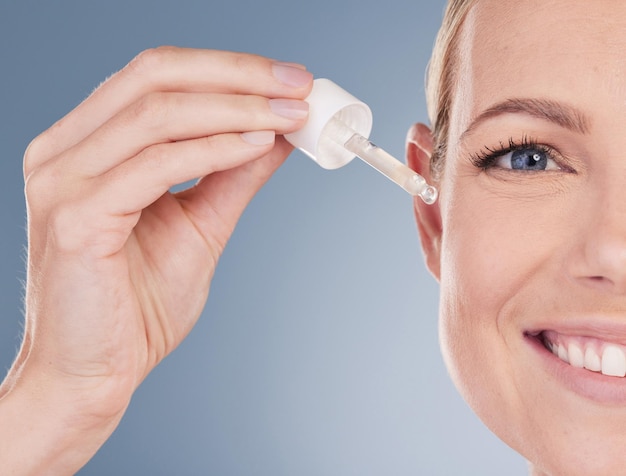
(392, 168)
(346, 137)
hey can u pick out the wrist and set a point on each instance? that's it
(47, 427)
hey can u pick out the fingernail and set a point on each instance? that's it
(258, 137)
(291, 75)
(295, 65)
(289, 108)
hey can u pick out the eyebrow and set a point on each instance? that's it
(546, 109)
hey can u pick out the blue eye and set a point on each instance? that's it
(528, 158)
(526, 155)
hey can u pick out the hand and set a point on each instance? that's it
(118, 267)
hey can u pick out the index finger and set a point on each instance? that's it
(171, 69)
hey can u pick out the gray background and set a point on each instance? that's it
(317, 352)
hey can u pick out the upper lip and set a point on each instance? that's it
(609, 328)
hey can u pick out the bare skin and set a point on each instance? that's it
(528, 239)
(119, 268)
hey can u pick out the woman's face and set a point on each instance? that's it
(532, 252)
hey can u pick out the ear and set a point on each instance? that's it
(419, 149)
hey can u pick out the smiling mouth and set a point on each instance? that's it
(587, 353)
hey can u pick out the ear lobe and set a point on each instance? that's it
(419, 148)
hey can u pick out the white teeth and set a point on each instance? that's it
(576, 358)
(613, 361)
(584, 354)
(592, 360)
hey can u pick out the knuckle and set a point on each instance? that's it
(157, 156)
(32, 184)
(71, 226)
(38, 187)
(48, 185)
(152, 108)
(34, 154)
(242, 62)
(151, 59)
(76, 227)
(70, 214)
(258, 109)
(213, 146)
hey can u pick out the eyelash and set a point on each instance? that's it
(488, 156)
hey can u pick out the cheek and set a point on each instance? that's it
(489, 246)
(477, 277)
(494, 249)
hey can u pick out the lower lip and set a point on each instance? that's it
(594, 386)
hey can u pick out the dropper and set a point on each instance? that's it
(337, 131)
(384, 162)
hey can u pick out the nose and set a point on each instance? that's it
(601, 261)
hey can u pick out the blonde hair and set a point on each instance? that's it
(441, 79)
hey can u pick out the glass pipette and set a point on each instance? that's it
(381, 160)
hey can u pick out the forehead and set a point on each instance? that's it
(572, 51)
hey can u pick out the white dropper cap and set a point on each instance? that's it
(328, 101)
